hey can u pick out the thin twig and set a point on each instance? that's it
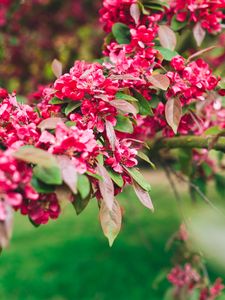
(198, 191)
(176, 193)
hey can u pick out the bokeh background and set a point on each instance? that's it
(70, 258)
(34, 32)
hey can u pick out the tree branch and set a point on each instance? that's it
(190, 142)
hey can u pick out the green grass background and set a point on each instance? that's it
(70, 258)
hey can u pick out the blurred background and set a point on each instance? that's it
(34, 32)
(70, 258)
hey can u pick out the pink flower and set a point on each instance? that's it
(191, 82)
(82, 80)
(216, 289)
(208, 13)
(18, 122)
(15, 185)
(41, 210)
(123, 155)
(79, 144)
(114, 11)
(186, 276)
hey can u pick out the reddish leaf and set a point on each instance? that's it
(110, 220)
(143, 196)
(106, 186)
(36, 156)
(68, 171)
(124, 106)
(159, 81)
(173, 112)
(110, 132)
(6, 228)
(50, 123)
(167, 37)
(135, 12)
(57, 68)
(64, 196)
(199, 34)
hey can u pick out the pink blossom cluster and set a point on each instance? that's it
(14, 181)
(212, 292)
(16, 191)
(78, 144)
(116, 11)
(41, 209)
(137, 59)
(4, 6)
(84, 78)
(133, 63)
(190, 82)
(18, 122)
(188, 278)
(88, 84)
(208, 13)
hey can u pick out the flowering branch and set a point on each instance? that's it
(190, 142)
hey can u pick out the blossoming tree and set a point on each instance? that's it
(82, 137)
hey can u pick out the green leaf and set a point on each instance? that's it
(124, 124)
(207, 169)
(126, 97)
(100, 159)
(117, 178)
(21, 99)
(83, 186)
(200, 182)
(139, 178)
(41, 187)
(143, 156)
(121, 33)
(70, 123)
(96, 176)
(33, 223)
(155, 7)
(80, 204)
(176, 25)
(220, 184)
(50, 175)
(144, 105)
(185, 160)
(56, 101)
(166, 53)
(154, 102)
(71, 107)
(212, 130)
